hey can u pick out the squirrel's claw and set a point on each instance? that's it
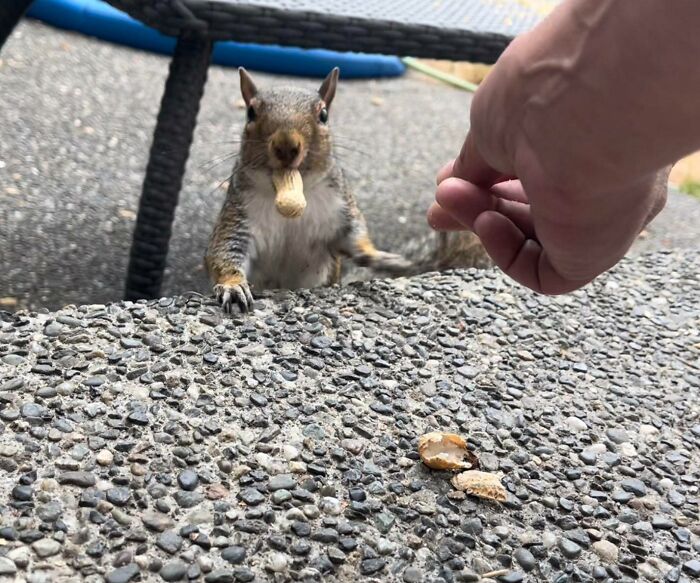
(238, 294)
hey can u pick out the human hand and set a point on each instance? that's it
(560, 170)
(546, 238)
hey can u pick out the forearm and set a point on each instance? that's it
(618, 80)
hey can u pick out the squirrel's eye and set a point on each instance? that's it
(323, 115)
(251, 114)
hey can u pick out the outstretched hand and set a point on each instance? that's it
(543, 237)
(571, 140)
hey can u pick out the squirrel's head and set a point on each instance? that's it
(287, 127)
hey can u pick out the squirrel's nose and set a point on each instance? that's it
(286, 153)
(286, 147)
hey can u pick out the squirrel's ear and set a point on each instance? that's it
(327, 89)
(248, 88)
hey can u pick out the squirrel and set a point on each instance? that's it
(254, 245)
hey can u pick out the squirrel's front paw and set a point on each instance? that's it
(238, 293)
(391, 263)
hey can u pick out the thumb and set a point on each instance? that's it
(471, 166)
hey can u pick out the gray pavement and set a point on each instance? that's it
(164, 442)
(76, 120)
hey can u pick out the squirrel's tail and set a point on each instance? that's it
(447, 250)
(431, 252)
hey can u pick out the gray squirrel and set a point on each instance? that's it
(253, 245)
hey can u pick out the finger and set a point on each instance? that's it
(465, 202)
(445, 172)
(520, 257)
(441, 220)
(471, 166)
(509, 248)
(448, 170)
(510, 189)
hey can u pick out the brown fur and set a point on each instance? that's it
(366, 247)
(460, 250)
(230, 280)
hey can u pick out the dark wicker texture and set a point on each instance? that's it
(10, 13)
(473, 30)
(166, 167)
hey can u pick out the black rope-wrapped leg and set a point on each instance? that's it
(10, 13)
(166, 166)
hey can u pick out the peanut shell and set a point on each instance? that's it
(289, 193)
(480, 484)
(445, 451)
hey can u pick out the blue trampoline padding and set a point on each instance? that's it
(99, 19)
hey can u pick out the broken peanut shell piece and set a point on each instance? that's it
(289, 193)
(480, 484)
(445, 451)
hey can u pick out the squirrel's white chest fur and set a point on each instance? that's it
(292, 253)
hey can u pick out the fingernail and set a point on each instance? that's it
(429, 217)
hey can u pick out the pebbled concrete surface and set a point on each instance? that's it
(163, 441)
(76, 120)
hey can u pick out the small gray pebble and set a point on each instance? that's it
(173, 571)
(280, 496)
(50, 512)
(569, 548)
(22, 493)
(219, 576)
(325, 535)
(188, 480)
(118, 496)
(525, 559)
(692, 567)
(169, 541)
(412, 575)
(282, 482)
(123, 574)
(7, 566)
(187, 499)
(588, 457)
(635, 486)
(32, 410)
(251, 496)
(77, 478)
(46, 547)
(234, 554)
(372, 566)
(243, 575)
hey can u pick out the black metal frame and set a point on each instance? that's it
(10, 13)
(395, 30)
(166, 166)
